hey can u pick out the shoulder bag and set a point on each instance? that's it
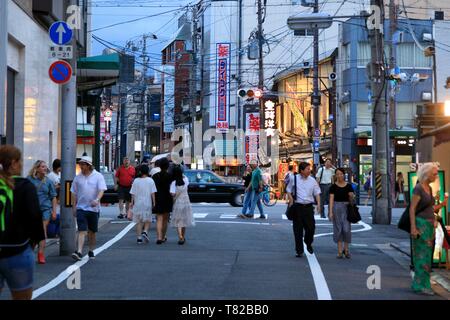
(353, 215)
(290, 210)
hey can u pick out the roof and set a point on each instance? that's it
(183, 34)
(294, 69)
(98, 71)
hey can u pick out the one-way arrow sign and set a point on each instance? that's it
(60, 33)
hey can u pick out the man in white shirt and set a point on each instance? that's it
(325, 179)
(87, 190)
(55, 175)
(302, 198)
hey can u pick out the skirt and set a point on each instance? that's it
(182, 216)
(422, 249)
(342, 231)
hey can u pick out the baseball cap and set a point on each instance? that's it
(86, 159)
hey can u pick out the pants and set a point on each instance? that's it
(247, 202)
(324, 197)
(255, 200)
(422, 250)
(303, 219)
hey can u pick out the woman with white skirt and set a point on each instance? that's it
(181, 216)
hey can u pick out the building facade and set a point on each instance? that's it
(355, 101)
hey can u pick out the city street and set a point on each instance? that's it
(229, 258)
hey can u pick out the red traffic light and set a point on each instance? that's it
(258, 93)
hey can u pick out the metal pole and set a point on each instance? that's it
(261, 65)
(123, 128)
(393, 17)
(68, 155)
(3, 64)
(381, 211)
(97, 137)
(316, 94)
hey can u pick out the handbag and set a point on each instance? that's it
(405, 223)
(353, 215)
(290, 210)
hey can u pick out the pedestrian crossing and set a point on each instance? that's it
(230, 216)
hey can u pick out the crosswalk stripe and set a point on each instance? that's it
(200, 215)
(284, 217)
(228, 216)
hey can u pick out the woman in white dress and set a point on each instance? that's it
(143, 200)
(181, 216)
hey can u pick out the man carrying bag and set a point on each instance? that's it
(306, 190)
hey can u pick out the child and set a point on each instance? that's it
(182, 211)
(143, 200)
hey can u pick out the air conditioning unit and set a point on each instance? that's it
(427, 37)
(427, 96)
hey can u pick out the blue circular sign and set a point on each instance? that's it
(60, 72)
(60, 33)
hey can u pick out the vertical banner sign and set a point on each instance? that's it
(252, 136)
(269, 118)
(169, 98)
(223, 87)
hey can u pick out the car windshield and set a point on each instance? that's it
(203, 177)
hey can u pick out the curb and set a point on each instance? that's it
(439, 276)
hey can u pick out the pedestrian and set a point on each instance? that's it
(164, 200)
(368, 186)
(247, 195)
(288, 175)
(423, 222)
(307, 190)
(400, 188)
(155, 169)
(325, 179)
(47, 199)
(182, 211)
(257, 187)
(55, 175)
(341, 194)
(124, 179)
(21, 231)
(142, 202)
(87, 189)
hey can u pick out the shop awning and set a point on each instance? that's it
(393, 133)
(98, 71)
(441, 134)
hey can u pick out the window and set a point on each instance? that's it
(202, 177)
(410, 56)
(346, 56)
(10, 118)
(364, 115)
(346, 115)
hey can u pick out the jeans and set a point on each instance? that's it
(324, 198)
(255, 200)
(246, 204)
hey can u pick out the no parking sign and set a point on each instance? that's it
(60, 72)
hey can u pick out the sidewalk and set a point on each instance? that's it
(440, 275)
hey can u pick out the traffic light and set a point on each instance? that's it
(249, 94)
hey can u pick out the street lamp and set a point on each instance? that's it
(313, 21)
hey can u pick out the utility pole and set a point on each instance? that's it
(3, 64)
(193, 81)
(381, 211)
(393, 22)
(261, 69)
(144, 89)
(316, 94)
(68, 154)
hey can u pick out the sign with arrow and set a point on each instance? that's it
(60, 33)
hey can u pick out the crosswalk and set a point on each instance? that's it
(229, 216)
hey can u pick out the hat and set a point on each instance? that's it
(86, 159)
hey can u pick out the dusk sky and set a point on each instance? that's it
(163, 23)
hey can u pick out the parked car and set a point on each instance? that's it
(206, 186)
(110, 196)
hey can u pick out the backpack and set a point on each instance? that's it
(6, 201)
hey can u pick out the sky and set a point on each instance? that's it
(163, 23)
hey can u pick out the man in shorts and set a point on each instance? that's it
(124, 179)
(87, 189)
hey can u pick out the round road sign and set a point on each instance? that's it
(60, 72)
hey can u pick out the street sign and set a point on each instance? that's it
(316, 145)
(317, 133)
(60, 72)
(60, 33)
(108, 137)
(60, 52)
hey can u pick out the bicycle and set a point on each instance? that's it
(268, 198)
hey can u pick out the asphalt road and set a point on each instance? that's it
(229, 258)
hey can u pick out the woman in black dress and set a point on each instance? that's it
(164, 200)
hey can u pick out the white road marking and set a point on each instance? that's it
(200, 215)
(235, 222)
(228, 216)
(322, 290)
(67, 272)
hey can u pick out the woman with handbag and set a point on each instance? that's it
(422, 227)
(341, 194)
